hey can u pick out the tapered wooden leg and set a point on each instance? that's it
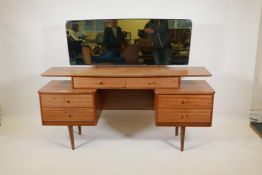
(79, 130)
(71, 134)
(183, 130)
(177, 130)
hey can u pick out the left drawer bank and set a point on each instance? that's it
(62, 105)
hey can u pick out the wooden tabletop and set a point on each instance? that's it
(127, 71)
(61, 87)
(189, 87)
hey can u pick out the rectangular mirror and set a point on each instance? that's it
(129, 41)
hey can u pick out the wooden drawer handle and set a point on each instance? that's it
(151, 83)
(183, 116)
(68, 115)
(68, 101)
(184, 101)
(100, 82)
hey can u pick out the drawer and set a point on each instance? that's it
(180, 115)
(103, 83)
(66, 100)
(68, 114)
(151, 83)
(184, 101)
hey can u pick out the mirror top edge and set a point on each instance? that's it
(135, 18)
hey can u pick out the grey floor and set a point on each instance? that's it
(127, 142)
(258, 127)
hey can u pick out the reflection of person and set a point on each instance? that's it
(161, 39)
(113, 38)
(74, 43)
(95, 55)
(72, 34)
(113, 42)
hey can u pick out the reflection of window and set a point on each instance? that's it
(179, 24)
(89, 25)
(94, 26)
(171, 24)
(73, 25)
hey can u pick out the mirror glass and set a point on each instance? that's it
(129, 41)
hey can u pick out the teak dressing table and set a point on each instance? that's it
(79, 101)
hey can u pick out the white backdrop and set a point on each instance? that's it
(33, 38)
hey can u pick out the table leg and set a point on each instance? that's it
(177, 130)
(183, 130)
(71, 134)
(79, 130)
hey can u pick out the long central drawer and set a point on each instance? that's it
(151, 83)
(129, 83)
(102, 83)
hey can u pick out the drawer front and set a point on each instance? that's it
(68, 114)
(103, 83)
(184, 101)
(150, 83)
(61, 100)
(180, 115)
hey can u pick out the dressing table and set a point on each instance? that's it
(79, 101)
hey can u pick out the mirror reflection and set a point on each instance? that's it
(129, 41)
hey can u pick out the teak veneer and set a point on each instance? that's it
(79, 101)
(127, 71)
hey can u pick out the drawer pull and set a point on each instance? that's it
(68, 115)
(100, 82)
(68, 101)
(184, 101)
(151, 83)
(183, 116)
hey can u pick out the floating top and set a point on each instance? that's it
(63, 87)
(127, 71)
(189, 87)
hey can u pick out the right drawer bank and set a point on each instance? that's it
(189, 105)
